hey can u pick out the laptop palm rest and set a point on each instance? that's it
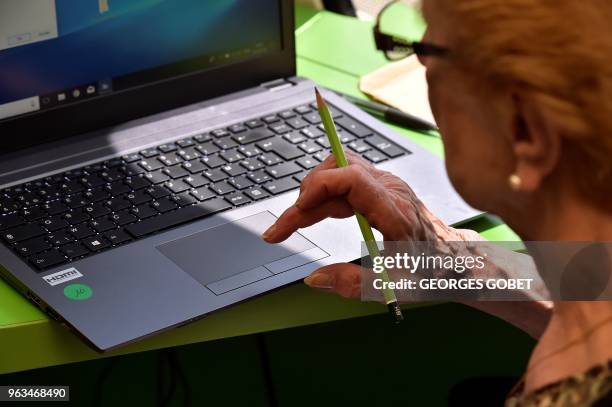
(233, 255)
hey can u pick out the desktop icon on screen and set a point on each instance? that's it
(103, 6)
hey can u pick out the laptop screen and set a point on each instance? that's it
(54, 53)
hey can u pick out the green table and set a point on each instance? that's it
(28, 339)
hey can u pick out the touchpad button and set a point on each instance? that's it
(216, 254)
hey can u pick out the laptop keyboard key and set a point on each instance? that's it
(220, 133)
(117, 204)
(157, 191)
(164, 205)
(355, 128)
(194, 166)
(241, 182)
(123, 218)
(156, 177)
(222, 188)
(102, 225)
(237, 199)
(32, 246)
(151, 165)
(231, 156)
(215, 175)
(183, 199)
(297, 123)
(176, 171)
(98, 194)
(226, 143)
(114, 189)
(32, 214)
(253, 124)
(54, 223)
(184, 143)
(96, 243)
(253, 136)
(307, 162)
(170, 159)
(76, 216)
(214, 161)
(117, 236)
(80, 231)
(55, 208)
(47, 259)
(9, 221)
(295, 137)
(237, 128)
(139, 197)
(287, 114)
(148, 153)
(303, 109)
(252, 164)
(234, 170)
(271, 119)
(300, 177)
(256, 193)
(143, 211)
(284, 149)
(96, 210)
(59, 238)
(23, 233)
(282, 170)
(202, 194)
(178, 217)
(189, 154)
(281, 185)
(74, 250)
(130, 158)
(313, 132)
(196, 180)
(259, 177)
(177, 186)
(270, 159)
(375, 156)
(207, 148)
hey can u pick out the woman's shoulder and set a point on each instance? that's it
(592, 388)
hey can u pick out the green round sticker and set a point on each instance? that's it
(78, 292)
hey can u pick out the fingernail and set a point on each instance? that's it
(268, 233)
(320, 280)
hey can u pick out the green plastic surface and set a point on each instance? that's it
(333, 51)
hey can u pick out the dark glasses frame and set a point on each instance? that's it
(392, 45)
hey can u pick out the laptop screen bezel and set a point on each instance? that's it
(103, 112)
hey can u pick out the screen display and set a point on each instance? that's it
(57, 52)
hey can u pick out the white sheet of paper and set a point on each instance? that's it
(402, 85)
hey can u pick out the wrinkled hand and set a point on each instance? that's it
(385, 200)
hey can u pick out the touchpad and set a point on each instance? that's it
(233, 254)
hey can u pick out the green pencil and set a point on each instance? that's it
(364, 225)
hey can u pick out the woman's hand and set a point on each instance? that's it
(384, 199)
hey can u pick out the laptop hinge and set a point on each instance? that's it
(277, 84)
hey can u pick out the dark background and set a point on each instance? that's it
(359, 362)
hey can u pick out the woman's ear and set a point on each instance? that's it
(536, 143)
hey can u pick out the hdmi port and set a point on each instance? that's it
(53, 314)
(34, 297)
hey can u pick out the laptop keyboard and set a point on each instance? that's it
(77, 213)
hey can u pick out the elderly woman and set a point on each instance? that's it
(523, 99)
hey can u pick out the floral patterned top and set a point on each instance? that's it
(592, 388)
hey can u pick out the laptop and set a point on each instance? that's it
(146, 144)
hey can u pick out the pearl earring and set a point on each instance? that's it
(515, 182)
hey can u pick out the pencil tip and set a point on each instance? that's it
(320, 101)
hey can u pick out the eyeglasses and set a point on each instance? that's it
(396, 48)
